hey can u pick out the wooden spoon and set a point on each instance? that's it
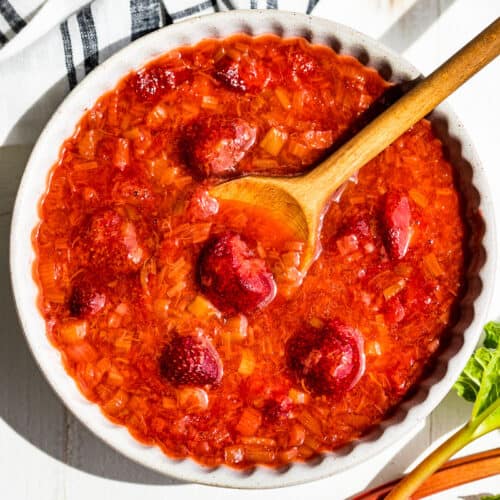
(302, 201)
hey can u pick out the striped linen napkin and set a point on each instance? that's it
(42, 58)
(58, 55)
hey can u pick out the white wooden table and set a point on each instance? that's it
(45, 454)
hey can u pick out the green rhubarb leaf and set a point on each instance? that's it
(489, 391)
(469, 381)
(492, 338)
(479, 382)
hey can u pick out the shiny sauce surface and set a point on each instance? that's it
(127, 256)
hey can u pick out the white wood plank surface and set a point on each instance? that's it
(46, 454)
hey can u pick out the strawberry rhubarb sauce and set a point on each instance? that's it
(189, 322)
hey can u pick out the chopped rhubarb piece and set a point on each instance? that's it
(73, 331)
(250, 421)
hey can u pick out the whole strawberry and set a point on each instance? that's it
(396, 222)
(111, 243)
(190, 360)
(151, 83)
(86, 298)
(232, 277)
(213, 146)
(326, 361)
(246, 75)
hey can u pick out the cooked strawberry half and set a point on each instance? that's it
(112, 242)
(245, 75)
(201, 205)
(189, 360)
(327, 361)
(394, 310)
(131, 189)
(232, 277)
(151, 83)
(355, 232)
(105, 148)
(86, 298)
(396, 219)
(419, 293)
(277, 409)
(360, 226)
(301, 64)
(215, 145)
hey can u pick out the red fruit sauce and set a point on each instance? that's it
(183, 339)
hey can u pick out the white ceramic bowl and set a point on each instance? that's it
(463, 337)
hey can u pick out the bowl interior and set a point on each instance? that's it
(471, 180)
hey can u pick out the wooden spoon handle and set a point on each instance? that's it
(452, 474)
(407, 111)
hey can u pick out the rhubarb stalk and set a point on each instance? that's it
(478, 383)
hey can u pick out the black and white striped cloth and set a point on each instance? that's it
(45, 49)
(101, 27)
(14, 16)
